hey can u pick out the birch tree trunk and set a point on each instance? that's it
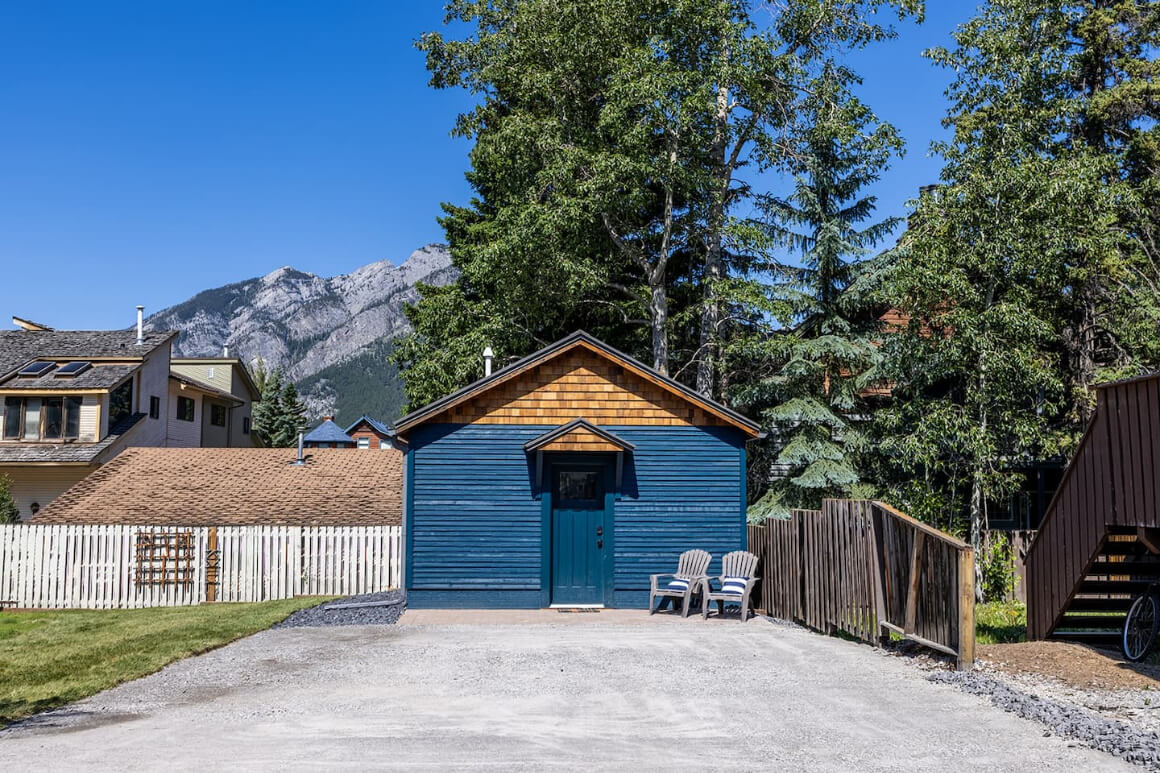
(714, 268)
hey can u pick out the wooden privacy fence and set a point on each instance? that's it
(865, 569)
(122, 566)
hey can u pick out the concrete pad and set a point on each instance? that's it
(692, 696)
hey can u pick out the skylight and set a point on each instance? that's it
(35, 369)
(73, 368)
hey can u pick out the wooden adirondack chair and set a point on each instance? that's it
(738, 576)
(683, 584)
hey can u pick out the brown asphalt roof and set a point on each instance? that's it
(237, 486)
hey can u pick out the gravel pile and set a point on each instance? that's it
(1118, 738)
(381, 609)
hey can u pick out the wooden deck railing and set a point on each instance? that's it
(865, 569)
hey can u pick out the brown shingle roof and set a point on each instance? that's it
(237, 486)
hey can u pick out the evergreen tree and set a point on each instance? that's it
(290, 419)
(264, 412)
(280, 415)
(814, 373)
(9, 513)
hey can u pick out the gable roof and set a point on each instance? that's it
(375, 424)
(201, 386)
(579, 339)
(578, 426)
(234, 363)
(327, 432)
(20, 347)
(236, 486)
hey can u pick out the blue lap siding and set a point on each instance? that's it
(475, 521)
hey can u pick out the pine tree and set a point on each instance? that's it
(291, 417)
(816, 371)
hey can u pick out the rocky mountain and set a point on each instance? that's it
(330, 335)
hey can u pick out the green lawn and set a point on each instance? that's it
(1000, 622)
(51, 657)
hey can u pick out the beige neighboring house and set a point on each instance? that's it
(212, 402)
(70, 400)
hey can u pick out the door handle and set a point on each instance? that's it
(599, 543)
(599, 531)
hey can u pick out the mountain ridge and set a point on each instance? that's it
(315, 328)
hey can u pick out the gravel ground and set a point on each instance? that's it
(1136, 707)
(326, 614)
(1061, 716)
(714, 695)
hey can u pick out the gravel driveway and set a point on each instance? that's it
(692, 695)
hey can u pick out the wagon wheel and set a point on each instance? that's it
(1140, 627)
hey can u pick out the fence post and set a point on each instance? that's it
(966, 647)
(910, 623)
(212, 566)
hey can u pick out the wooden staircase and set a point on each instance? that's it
(1099, 543)
(1121, 568)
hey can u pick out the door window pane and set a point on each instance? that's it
(72, 417)
(53, 417)
(576, 484)
(12, 408)
(32, 418)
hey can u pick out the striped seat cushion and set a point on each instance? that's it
(734, 586)
(679, 585)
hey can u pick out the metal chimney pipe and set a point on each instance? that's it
(488, 354)
(299, 461)
(225, 351)
(140, 325)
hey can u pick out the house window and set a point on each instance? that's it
(217, 415)
(364, 442)
(246, 425)
(155, 407)
(185, 408)
(31, 418)
(384, 444)
(13, 407)
(120, 403)
(35, 418)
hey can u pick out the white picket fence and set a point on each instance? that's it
(126, 566)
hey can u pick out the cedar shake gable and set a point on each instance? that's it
(578, 377)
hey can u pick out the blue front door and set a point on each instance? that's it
(578, 533)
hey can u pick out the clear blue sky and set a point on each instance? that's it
(149, 150)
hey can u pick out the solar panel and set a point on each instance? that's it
(73, 368)
(36, 369)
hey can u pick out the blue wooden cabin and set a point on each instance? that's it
(567, 478)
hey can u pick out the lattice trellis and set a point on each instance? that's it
(166, 558)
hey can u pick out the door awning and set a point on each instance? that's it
(578, 435)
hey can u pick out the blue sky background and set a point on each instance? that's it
(150, 150)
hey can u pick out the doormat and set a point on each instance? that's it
(576, 610)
